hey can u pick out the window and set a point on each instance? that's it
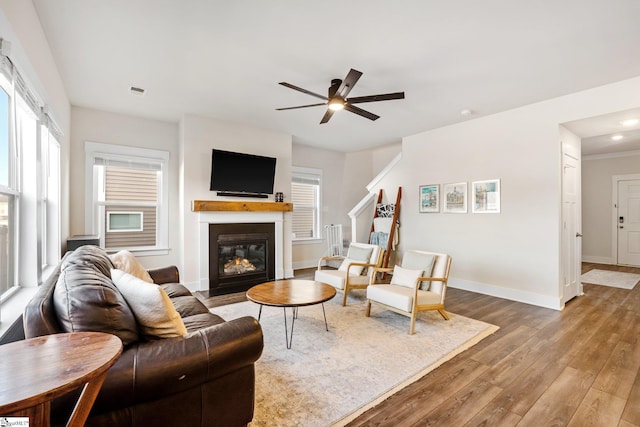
(50, 198)
(124, 221)
(7, 199)
(305, 196)
(127, 193)
(29, 184)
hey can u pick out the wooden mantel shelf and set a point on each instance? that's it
(226, 206)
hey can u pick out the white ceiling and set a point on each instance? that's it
(224, 59)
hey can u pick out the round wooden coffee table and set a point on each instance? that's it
(37, 370)
(292, 293)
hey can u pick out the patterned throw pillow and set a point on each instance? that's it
(386, 210)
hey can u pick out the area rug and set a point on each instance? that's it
(329, 378)
(615, 279)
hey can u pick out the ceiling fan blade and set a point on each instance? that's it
(348, 83)
(301, 106)
(299, 89)
(361, 112)
(327, 116)
(373, 98)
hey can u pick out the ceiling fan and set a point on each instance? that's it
(337, 98)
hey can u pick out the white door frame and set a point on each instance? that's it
(615, 179)
(570, 266)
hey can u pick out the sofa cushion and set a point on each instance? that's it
(156, 315)
(87, 300)
(175, 290)
(127, 262)
(188, 305)
(200, 321)
(88, 256)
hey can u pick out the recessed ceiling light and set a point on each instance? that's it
(617, 137)
(136, 90)
(466, 113)
(629, 122)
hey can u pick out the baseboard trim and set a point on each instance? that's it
(546, 301)
(598, 259)
(305, 264)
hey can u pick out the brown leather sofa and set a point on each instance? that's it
(205, 378)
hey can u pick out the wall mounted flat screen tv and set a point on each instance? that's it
(240, 174)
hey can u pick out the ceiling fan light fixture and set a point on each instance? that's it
(336, 104)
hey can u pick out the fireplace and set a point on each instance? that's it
(240, 255)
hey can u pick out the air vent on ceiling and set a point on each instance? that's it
(136, 90)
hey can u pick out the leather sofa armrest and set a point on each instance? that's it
(165, 275)
(151, 370)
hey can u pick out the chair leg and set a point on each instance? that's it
(413, 322)
(368, 312)
(344, 298)
(443, 313)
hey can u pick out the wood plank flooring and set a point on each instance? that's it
(576, 367)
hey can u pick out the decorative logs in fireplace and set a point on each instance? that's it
(240, 255)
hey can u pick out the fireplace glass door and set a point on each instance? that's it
(240, 256)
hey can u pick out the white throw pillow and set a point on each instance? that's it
(151, 306)
(127, 262)
(405, 276)
(355, 270)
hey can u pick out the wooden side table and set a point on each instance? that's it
(37, 370)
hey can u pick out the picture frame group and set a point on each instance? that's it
(455, 197)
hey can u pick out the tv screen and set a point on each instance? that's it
(241, 173)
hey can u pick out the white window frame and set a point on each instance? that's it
(315, 174)
(124, 230)
(93, 219)
(50, 198)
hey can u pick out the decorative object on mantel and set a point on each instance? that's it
(279, 197)
(228, 206)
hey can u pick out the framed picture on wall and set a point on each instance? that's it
(485, 196)
(454, 197)
(430, 198)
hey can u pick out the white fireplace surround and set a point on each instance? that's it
(206, 218)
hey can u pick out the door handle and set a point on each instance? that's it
(578, 234)
(622, 226)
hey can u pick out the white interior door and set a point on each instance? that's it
(571, 223)
(629, 222)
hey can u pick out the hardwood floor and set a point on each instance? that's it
(576, 367)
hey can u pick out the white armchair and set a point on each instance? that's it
(351, 274)
(419, 284)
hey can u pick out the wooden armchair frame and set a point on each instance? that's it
(415, 308)
(349, 281)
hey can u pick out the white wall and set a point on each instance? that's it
(100, 126)
(307, 254)
(514, 254)
(345, 178)
(597, 202)
(20, 25)
(198, 135)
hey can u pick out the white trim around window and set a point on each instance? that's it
(312, 177)
(133, 155)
